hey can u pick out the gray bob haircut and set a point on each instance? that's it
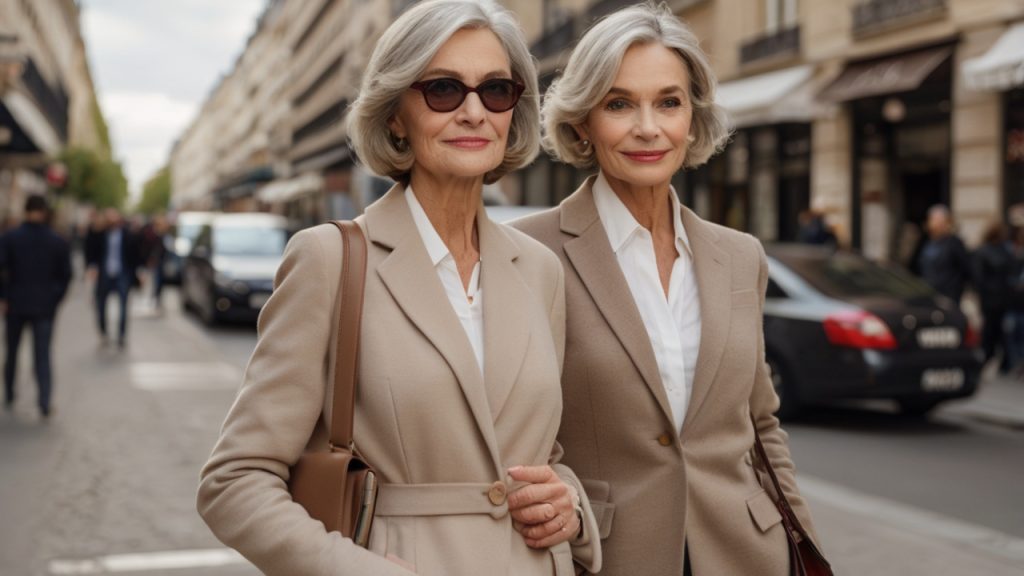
(403, 53)
(592, 69)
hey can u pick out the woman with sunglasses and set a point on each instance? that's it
(664, 358)
(459, 394)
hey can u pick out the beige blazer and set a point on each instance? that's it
(652, 488)
(440, 434)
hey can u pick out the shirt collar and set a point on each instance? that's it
(436, 248)
(619, 223)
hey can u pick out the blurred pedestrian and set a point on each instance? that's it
(814, 229)
(35, 269)
(944, 262)
(113, 266)
(992, 266)
(154, 252)
(664, 360)
(459, 395)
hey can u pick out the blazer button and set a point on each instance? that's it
(665, 440)
(497, 493)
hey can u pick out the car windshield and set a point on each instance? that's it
(849, 276)
(249, 241)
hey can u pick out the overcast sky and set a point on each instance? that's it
(154, 62)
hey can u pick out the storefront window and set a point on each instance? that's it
(1014, 147)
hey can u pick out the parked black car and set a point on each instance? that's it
(229, 272)
(838, 326)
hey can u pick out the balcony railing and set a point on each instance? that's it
(778, 45)
(555, 40)
(876, 15)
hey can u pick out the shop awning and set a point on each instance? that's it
(285, 190)
(772, 98)
(886, 76)
(1002, 67)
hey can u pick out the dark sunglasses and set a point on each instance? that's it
(447, 94)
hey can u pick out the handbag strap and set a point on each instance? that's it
(789, 518)
(350, 313)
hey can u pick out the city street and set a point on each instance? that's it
(107, 486)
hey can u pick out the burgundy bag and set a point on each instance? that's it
(804, 557)
(336, 486)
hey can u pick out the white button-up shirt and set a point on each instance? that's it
(673, 324)
(467, 303)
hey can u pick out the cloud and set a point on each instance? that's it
(143, 127)
(154, 63)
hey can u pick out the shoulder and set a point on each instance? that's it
(543, 226)
(536, 261)
(742, 247)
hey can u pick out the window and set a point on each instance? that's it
(779, 15)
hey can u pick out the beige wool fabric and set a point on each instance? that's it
(652, 488)
(438, 432)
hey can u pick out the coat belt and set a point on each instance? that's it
(442, 499)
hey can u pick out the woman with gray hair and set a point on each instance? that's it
(664, 358)
(459, 401)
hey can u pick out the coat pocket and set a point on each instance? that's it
(599, 492)
(763, 511)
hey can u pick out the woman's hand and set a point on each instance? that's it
(544, 510)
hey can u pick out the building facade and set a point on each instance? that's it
(869, 111)
(47, 101)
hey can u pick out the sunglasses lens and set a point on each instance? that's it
(498, 95)
(444, 94)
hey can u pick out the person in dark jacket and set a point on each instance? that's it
(35, 270)
(112, 261)
(944, 262)
(992, 266)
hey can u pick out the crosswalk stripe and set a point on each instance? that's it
(169, 376)
(172, 560)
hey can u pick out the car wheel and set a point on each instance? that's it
(785, 389)
(917, 407)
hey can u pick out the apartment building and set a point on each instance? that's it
(46, 95)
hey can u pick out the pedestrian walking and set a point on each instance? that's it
(35, 270)
(154, 250)
(113, 262)
(943, 261)
(992, 268)
(459, 399)
(814, 229)
(664, 360)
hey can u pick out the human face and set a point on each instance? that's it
(640, 129)
(469, 141)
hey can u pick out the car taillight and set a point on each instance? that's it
(972, 339)
(859, 329)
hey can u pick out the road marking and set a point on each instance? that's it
(165, 376)
(173, 560)
(913, 519)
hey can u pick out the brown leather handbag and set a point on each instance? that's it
(804, 557)
(336, 486)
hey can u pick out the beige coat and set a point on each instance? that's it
(439, 433)
(652, 488)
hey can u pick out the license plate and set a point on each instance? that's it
(942, 380)
(940, 337)
(258, 300)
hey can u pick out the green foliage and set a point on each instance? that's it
(156, 193)
(93, 178)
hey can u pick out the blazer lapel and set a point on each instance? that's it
(506, 327)
(591, 256)
(714, 280)
(412, 281)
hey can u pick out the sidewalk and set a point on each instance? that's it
(999, 401)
